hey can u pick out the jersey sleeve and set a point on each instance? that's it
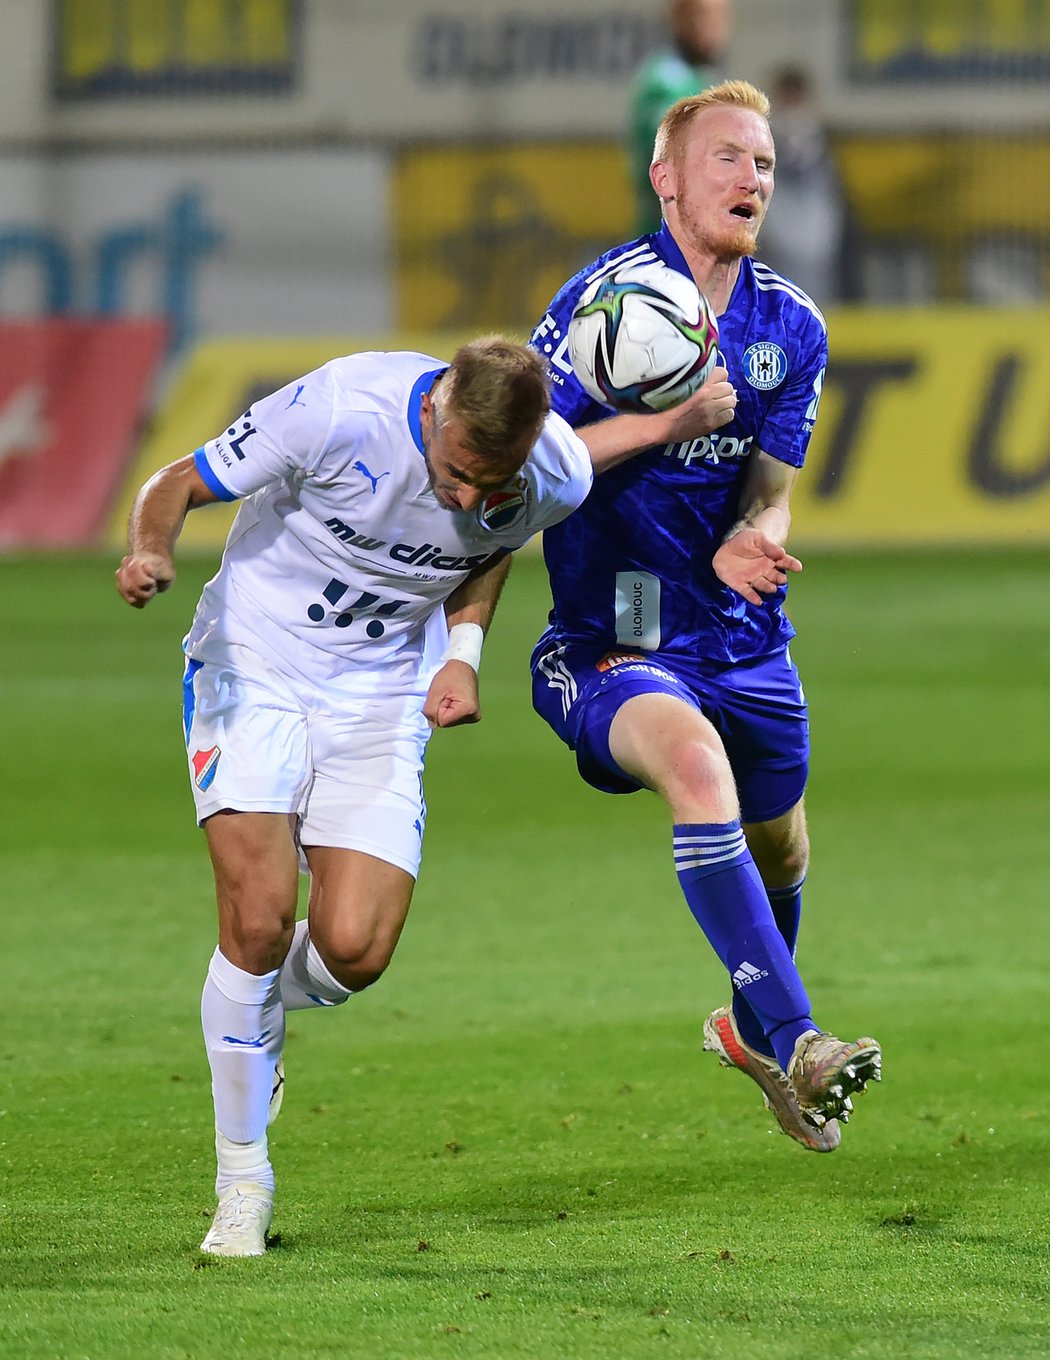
(559, 474)
(550, 339)
(278, 436)
(788, 425)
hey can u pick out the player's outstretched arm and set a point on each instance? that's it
(752, 559)
(453, 695)
(614, 440)
(154, 525)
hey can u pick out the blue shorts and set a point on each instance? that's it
(757, 707)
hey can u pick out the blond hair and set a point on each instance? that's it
(733, 94)
(498, 388)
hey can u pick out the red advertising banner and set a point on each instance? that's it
(72, 397)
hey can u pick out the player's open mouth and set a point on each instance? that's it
(743, 210)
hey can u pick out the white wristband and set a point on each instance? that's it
(464, 644)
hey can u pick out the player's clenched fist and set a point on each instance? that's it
(718, 397)
(453, 696)
(140, 576)
(707, 410)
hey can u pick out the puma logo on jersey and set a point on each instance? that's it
(360, 467)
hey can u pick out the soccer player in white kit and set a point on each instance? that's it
(382, 494)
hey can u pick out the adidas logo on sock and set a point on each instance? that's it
(747, 972)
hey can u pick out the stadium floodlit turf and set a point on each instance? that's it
(513, 1146)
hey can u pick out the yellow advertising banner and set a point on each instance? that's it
(952, 197)
(934, 426)
(486, 235)
(893, 42)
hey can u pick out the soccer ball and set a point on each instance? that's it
(643, 338)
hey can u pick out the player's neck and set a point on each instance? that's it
(716, 278)
(715, 271)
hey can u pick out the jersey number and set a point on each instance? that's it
(365, 604)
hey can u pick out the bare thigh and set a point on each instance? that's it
(256, 867)
(671, 748)
(358, 906)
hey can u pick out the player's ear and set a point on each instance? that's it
(661, 177)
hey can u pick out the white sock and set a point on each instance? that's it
(241, 1162)
(243, 1022)
(305, 980)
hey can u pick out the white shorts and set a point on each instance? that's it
(351, 769)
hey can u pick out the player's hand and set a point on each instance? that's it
(452, 698)
(708, 409)
(142, 575)
(753, 564)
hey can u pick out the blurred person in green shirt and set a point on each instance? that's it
(699, 31)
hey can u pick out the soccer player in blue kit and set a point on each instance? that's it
(666, 663)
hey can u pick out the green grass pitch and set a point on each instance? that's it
(513, 1146)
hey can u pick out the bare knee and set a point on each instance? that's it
(780, 848)
(355, 974)
(358, 905)
(697, 784)
(356, 956)
(256, 887)
(256, 921)
(785, 866)
(256, 935)
(671, 748)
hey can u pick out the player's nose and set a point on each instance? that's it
(469, 497)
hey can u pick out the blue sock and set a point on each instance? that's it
(728, 900)
(787, 912)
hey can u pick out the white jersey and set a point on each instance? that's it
(339, 559)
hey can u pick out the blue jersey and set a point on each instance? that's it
(632, 566)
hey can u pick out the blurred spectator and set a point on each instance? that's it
(699, 32)
(803, 237)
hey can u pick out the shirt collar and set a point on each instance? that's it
(668, 247)
(422, 384)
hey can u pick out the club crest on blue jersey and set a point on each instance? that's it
(204, 766)
(503, 508)
(765, 365)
